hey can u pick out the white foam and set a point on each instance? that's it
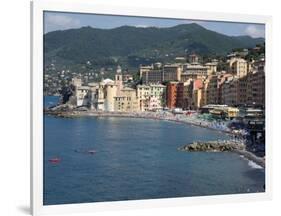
(254, 165)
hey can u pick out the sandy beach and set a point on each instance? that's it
(167, 116)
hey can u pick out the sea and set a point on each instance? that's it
(116, 159)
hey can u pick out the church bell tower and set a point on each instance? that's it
(119, 79)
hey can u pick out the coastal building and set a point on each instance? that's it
(97, 97)
(189, 86)
(256, 84)
(194, 71)
(151, 97)
(109, 97)
(235, 90)
(172, 95)
(82, 95)
(184, 94)
(198, 93)
(229, 91)
(93, 88)
(222, 77)
(211, 68)
(101, 95)
(119, 79)
(172, 72)
(187, 94)
(151, 74)
(211, 89)
(143, 93)
(157, 73)
(197, 99)
(180, 95)
(238, 66)
(242, 90)
(158, 96)
(127, 101)
(143, 69)
(154, 104)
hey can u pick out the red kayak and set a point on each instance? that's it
(54, 160)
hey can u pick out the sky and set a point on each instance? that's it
(62, 21)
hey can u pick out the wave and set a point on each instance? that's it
(251, 163)
(254, 165)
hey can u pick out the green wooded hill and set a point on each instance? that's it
(133, 45)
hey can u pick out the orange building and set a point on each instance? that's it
(198, 94)
(180, 95)
(172, 95)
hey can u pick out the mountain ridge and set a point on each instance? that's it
(147, 44)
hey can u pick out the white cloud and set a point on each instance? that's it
(57, 21)
(255, 31)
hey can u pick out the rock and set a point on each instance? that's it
(212, 146)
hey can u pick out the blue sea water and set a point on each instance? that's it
(136, 159)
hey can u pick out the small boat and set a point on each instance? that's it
(54, 160)
(92, 151)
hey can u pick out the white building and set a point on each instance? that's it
(238, 66)
(110, 94)
(151, 97)
(82, 95)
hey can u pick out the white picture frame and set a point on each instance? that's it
(37, 9)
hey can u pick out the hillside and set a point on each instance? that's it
(132, 46)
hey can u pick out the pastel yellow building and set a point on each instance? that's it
(110, 94)
(211, 68)
(98, 97)
(197, 99)
(238, 67)
(143, 93)
(127, 101)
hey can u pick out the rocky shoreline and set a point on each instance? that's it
(223, 146)
(213, 146)
(250, 156)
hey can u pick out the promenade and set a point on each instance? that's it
(193, 118)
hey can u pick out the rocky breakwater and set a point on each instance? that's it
(213, 146)
(224, 146)
(61, 110)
